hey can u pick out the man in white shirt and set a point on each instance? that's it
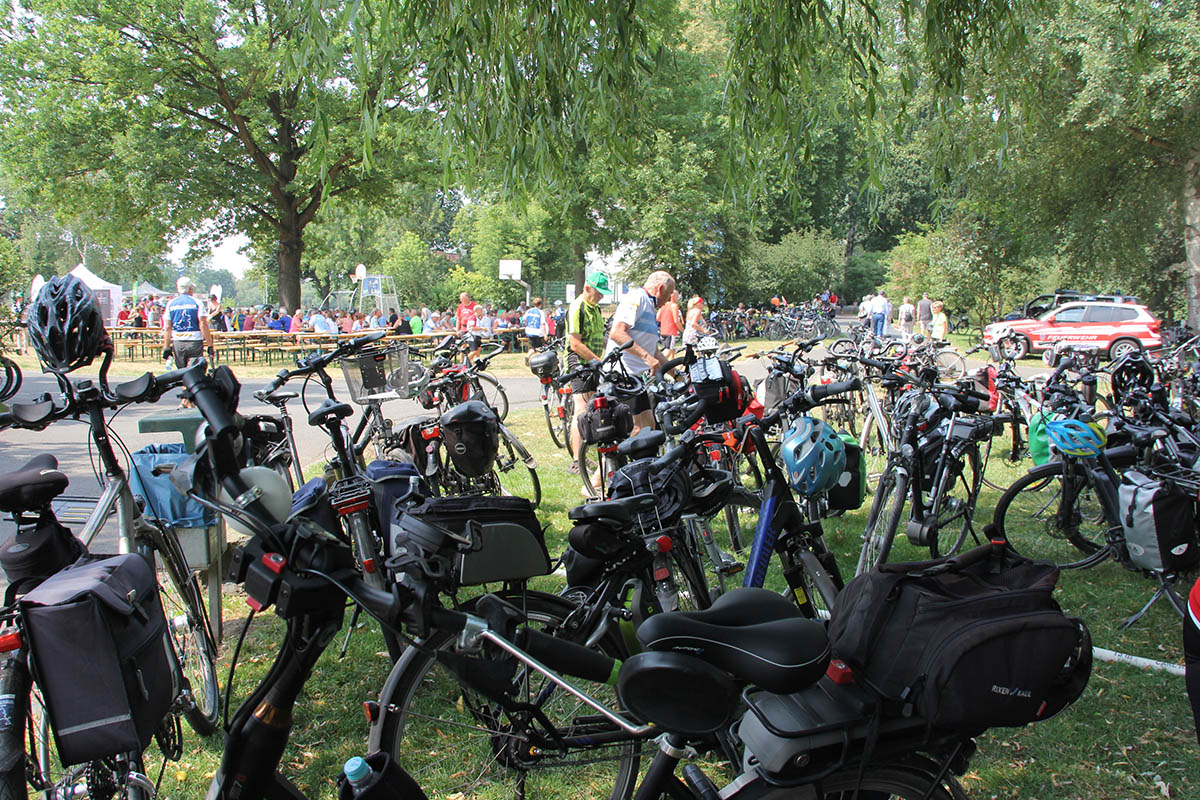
(637, 319)
(879, 309)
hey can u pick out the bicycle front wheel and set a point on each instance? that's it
(950, 365)
(458, 743)
(493, 393)
(887, 508)
(552, 406)
(516, 469)
(187, 621)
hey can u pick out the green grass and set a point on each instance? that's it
(1129, 736)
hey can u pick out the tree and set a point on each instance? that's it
(186, 115)
(800, 266)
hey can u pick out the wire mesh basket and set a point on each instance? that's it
(376, 373)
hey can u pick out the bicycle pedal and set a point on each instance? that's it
(731, 567)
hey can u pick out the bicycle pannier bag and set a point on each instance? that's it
(851, 487)
(967, 643)
(471, 432)
(38, 551)
(1159, 523)
(509, 544)
(102, 656)
(722, 391)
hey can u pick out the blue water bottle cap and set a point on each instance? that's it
(356, 770)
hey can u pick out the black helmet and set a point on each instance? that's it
(65, 325)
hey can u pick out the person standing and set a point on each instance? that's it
(864, 311)
(537, 327)
(186, 331)
(879, 309)
(924, 314)
(636, 320)
(939, 323)
(695, 326)
(585, 340)
(466, 319)
(670, 325)
(908, 316)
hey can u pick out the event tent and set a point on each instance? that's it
(146, 289)
(107, 294)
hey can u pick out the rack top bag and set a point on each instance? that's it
(967, 643)
(101, 655)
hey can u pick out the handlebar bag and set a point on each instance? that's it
(101, 654)
(509, 543)
(394, 483)
(1159, 522)
(967, 643)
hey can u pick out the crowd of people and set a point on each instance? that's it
(925, 317)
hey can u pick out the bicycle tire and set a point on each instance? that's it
(950, 365)
(894, 781)
(819, 587)
(694, 592)
(493, 393)
(552, 407)
(1031, 516)
(589, 460)
(12, 379)
(970, 462)
(516, 472)
(424, 702)
(874, 445)
(886, 509)
(187, 620)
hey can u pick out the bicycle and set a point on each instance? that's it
(182, 596)
(555, 394)
(464, 380)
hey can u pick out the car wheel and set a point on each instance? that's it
(1016, 348)
(1123, 347)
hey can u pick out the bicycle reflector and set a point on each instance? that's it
(1071, 437)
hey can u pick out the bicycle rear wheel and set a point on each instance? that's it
(552, 406)
(1045, 515)
(456, 742)
(950, 365)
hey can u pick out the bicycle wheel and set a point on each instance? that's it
(890, 782)
(516, 469)
(873, 441)
(493, 393)
(1045, 515)
(887, 509)
(457, 743)
(690, 578)
(954, 506)
(552, 406)
(950, 365)
(184, 606)
(595, 468)
(12, 378)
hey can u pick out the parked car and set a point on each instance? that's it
(1045, 302)
(1114, 328)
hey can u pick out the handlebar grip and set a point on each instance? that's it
(6, 420)
(871, 362)
(568, 657)
(669, 458)
(672, 425)
(133, 390)
(816, 394)
(672, 364)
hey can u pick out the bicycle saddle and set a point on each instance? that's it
(279, 397)
(32, 486)
(755, 635)
(620, 510)
(644, 445)
(328, 411)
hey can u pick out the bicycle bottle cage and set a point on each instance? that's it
(350, 494)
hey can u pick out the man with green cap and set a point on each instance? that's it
(585, 341)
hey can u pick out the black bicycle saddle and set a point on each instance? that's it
(620, 510)
(33, 486)
(644, 445)
(328, 411)
(755, 635)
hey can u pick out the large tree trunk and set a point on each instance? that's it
(287, 255)
(580, 268)
(1191, 236)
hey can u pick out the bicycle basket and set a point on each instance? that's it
(377, 373)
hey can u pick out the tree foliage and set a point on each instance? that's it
(800, 266)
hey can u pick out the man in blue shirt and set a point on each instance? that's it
(186, 333)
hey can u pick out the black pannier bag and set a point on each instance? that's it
(471, 432)
(606, 423)
(100, 652)
(509, 543)
(38, 551)
(968, 643)
(723, 393)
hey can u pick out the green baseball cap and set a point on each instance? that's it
(598, 281)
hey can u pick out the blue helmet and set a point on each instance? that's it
(1071, 437)
(813, 456)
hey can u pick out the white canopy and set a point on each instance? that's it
(146, 289)
(107, 294)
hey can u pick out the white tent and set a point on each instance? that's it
(107, 294)
(146, 289)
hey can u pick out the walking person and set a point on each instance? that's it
(695, 326)
(879, 309)
(670, 325)
(924, 314)
(187, 334)
(637, 320)
(908, 317)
